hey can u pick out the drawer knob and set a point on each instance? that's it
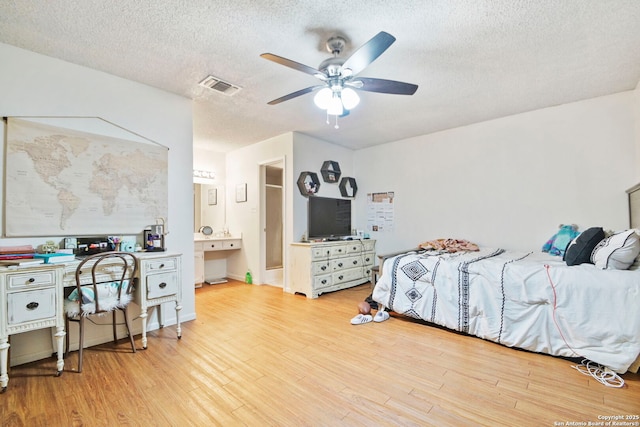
(162, 285)
(31, 280)
(367, 259)
(162, 265)
(231, 244)
(355, 262)
(340, 277)
(324, 281)
(339, 264)
(32, 305)
(323, 268)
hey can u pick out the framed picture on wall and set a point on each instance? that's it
(212, 196)
(241, 193)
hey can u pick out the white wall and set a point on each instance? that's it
(508, 182)
(308, 156)
(37, 85)
(243, 166)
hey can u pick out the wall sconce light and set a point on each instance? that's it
(204, 174)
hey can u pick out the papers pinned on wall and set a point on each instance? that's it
(380, 211)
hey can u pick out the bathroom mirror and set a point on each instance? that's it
(208, 207)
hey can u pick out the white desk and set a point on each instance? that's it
(30, 299)
(159, 281)
(205, 244)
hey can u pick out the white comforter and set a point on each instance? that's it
(531, 301)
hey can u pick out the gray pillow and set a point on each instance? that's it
(579, 250)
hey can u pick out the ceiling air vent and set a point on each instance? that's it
(219, 85)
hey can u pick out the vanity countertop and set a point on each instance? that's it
(199, 237)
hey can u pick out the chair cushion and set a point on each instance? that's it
(107, 297)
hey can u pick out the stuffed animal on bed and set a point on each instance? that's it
(559, 242)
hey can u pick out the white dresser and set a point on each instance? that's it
(30, 299)
(318, 267)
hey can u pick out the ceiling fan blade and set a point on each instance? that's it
(295, 65)
(295, 94)
(368, 52)
(384, 86)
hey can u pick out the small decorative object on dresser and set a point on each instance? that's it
(319, 267)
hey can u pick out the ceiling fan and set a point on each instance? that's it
(340, 78)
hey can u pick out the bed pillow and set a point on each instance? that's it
(617, 251)
(580, 248)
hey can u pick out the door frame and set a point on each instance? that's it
(281, 162)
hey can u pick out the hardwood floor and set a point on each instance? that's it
(256, 356)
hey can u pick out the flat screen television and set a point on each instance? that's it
(328, 218)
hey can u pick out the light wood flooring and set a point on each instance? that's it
(258, 357)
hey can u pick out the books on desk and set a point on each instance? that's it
(55, 258)
(21, 262)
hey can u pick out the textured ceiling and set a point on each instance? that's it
(473, 60)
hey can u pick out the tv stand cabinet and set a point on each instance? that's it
(319, 267)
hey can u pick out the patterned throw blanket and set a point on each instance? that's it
(449, 245)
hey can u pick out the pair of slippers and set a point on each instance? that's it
(361, 319)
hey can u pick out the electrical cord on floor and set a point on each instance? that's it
(602, 374)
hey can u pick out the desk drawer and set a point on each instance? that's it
(27, 306)
(26, 280)
(162, 264)
(231, 244)
(162, 285)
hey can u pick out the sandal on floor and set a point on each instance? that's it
(381, 316)
(361, 319)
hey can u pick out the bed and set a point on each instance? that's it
(532, 301)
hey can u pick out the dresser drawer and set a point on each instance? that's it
(339, 250)
(27, 306)
(347, 275)
(26, 280)
(324, 281)
(318, 253)
(368, 258)
(162, 264)
(346, 262)
(320, 267)
(354, 248)
(162, 285)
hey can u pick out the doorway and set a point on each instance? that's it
(272, 178)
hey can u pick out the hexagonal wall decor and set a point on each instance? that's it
(348, 187)
(308, 183)
(330, 171)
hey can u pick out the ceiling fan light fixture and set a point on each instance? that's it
(323, 98)
(350, 98)
(335, 106)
